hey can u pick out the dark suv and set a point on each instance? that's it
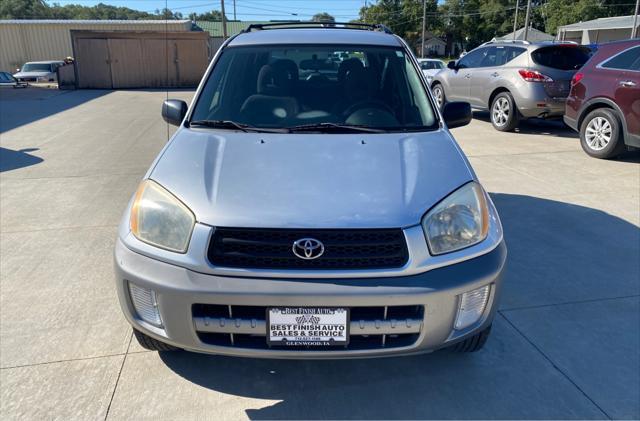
(604, 102)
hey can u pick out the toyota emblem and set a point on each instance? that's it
(308, 248)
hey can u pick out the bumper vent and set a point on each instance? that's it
(370, 327)
(343, 249)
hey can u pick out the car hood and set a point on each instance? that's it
(236, 179)
(31, 74)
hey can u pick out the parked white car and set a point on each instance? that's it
(431, 66)
(38, 71)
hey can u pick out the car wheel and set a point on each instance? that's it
(438, 94)
(473, 343)
(147, 342)
(600, 134)
(504, 114)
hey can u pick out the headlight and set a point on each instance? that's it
(160, 219)
(458, 221)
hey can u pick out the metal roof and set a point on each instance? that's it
(617, 22)
(90, 22)
(316, 36)
(233, 27)
(533, 35)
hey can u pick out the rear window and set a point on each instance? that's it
(431, 65)
(561, 57)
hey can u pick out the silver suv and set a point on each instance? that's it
(512, 79)
(308, 208)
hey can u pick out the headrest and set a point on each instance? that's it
(277, 78)
(360, 84)
(347, 66)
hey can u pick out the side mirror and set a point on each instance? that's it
(456, 114)
(17, 70)
(452, 65)
(173, 111)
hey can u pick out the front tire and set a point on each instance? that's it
(473, 343)
(504, 113)
(600, 134)
(438, 94)
(147, 342)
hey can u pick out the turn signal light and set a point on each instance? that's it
(471, 307)
(534, 76)
(146, 304)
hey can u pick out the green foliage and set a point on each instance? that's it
(323, 17)
(472, 22)
(39, 9)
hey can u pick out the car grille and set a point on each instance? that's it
(343, 248)
(374, 327)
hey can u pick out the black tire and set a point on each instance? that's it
(508, 118)
(473, 343)
(443, 98)
(595, 146)
(147, 342)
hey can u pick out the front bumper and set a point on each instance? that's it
(178, 290)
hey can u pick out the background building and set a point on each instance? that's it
(533, 35)
(34, 40)
(598, 30)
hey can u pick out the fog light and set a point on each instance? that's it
(472, 305)
(146, 304)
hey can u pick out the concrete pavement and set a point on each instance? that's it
(565, 343)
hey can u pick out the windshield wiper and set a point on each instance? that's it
(229, 124)
(334, 127)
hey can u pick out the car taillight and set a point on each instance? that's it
(576, 78)
(534, 76)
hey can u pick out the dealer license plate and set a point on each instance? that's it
(308, 326)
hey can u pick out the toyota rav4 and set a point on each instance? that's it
(311, 208)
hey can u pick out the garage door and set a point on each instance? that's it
(94, 67)
(126, 63)
(140, 60)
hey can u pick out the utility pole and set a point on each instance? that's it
(224, 21)
(424, 23)
(234, 10)
(515, 20)
(634, 28)
(526, 20)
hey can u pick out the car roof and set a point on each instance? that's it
(44, 62)
(316, 36)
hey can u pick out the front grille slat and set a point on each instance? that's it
(272, 248)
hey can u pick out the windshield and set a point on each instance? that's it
(315, 86)
(431, 65)
(36, 67)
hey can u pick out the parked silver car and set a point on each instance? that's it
(512, 79)
(38, 71)
(299, 214)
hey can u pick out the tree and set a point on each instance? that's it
(23, 9)
(212, 16)
(322, 17)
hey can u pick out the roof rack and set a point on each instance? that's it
(507, 41)
(308, 24)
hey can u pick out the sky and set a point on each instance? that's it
(342, 10)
